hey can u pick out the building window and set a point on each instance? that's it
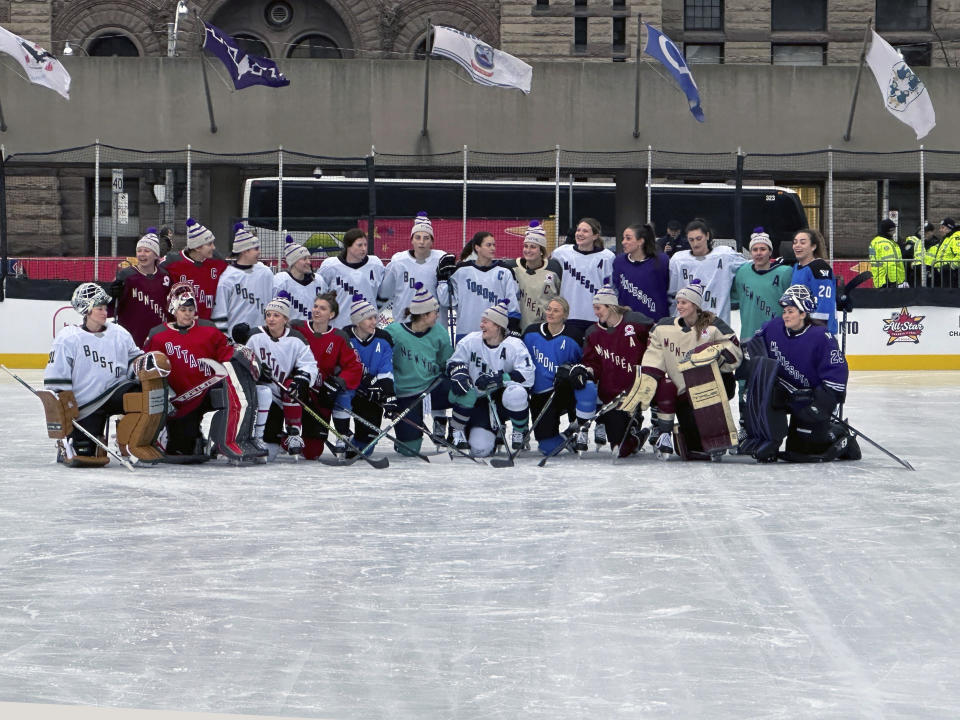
(810, 198)
(112, 44)
(543, 3)
(580, 33)
(619, 36)
(703, 54)
(580, 3)
(797, 54)
(252, 45)
(809, 15)
(703, 15)
(903, 14)
(315, 46)
(619, 3)
(916, 54)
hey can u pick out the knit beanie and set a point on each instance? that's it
(360, 309)
(280, 304)
(421, 223)
(535, 234)
(498, 314)
(423, 302)
(197, 235)
(692, 293)
(243, 239)
(293, 251)
(759, 236)
(150, 241)
(606, 296)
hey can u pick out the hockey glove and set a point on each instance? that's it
(370, 389)
(459, 379)
(266, 374)
(513, 327)
(704, 355)
(299, 385)
(579, 377)
(335, 385)
(388, 399)
(446, 267)
(563, 375)
(149, 363)
(240, 333)
(640, 395)
(488, 382)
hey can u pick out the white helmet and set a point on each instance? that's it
(798, 296)
(180, 294)
(87, 296)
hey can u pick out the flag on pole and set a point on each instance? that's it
(245, 70)
(486, 65)
(42, 67)
(662, 48)
(904, 95)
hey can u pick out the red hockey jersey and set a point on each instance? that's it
(204, 276)
(334, 354)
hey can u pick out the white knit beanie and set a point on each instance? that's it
(197, 235)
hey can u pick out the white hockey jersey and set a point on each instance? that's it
(302, 293)
(242, 295)
(715, 271)
(473, 289)
(583, 276)
(283, 355)
(402, 274)
(346, 280)
(90, 364)
(510, 356)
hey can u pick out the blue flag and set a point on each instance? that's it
(245, 70)
(662, 48)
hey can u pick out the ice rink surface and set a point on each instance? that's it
(581, 590)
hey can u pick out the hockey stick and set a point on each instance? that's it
(116, 456)
(857, 433)
(193, 392)
(501, 433)
(845, 301)
(443, 441)
(511, 456)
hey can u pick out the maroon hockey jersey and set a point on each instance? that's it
(141, 301)
(204, 276)
(614, 354)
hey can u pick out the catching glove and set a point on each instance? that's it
(640, 395)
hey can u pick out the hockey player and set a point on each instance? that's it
(713, 267)
(141, 290)
(339, 372)
(695, 334)
(641, 275)
(477, 283)
(375, 396)
(489, 366)
(556, 352)
(245, 288)
(352, 272)
(287, 371)
(813, 271)
(587, 267)
(298, 280)
(189, 343)
(796, 369)
(409, 267)
(538, 279)
(421, 349)
(91, 366)
(198, 264)
(612, 351)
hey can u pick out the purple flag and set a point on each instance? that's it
(245, 70)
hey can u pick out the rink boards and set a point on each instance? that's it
(895, 338)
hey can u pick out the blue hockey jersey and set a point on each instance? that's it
(551, 351)
(818, 277)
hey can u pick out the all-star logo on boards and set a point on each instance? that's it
(903, 327)
(483, 60)
(904, 87)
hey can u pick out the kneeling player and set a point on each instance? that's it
(796, 369)
(489, 367)
(287, 370)
(206, 378)
(91, 367)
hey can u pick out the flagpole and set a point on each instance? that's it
(426, 80)
(3, 122)
(203, 71)
(636, 96)
(856, 87)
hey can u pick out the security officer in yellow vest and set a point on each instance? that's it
(886, 262)
(913, 249)
(946, 261)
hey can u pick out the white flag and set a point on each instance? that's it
(486, 65)
(42, 67)
(904, 95)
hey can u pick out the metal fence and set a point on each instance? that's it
(51, 206)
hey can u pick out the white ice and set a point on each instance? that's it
(581, 590)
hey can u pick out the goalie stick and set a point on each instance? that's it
(116, 456)
(857, 433)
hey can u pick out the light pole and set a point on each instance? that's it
(174, 27)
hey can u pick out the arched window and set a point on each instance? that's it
(315, 46)
(252, 45)
(112, 44)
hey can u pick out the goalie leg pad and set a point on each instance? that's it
(765, 419)
(145, 412)
(226, 419)
(61, 410)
